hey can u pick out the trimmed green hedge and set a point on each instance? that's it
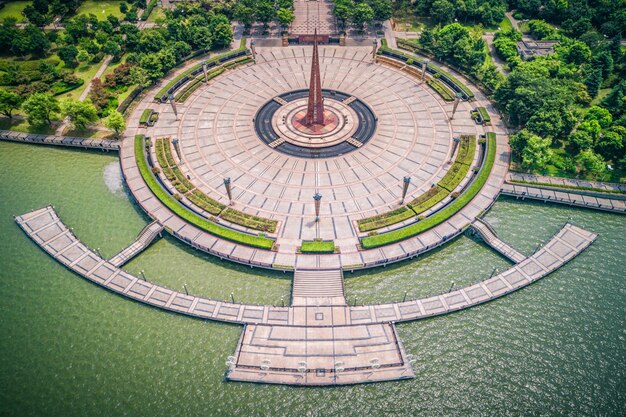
(444, 214)
(145, 116)
(428, 199)
(483, 113)
(188, 72)
(247, 220)
(440, 89)
(318, 246)
(454, 176)
(205, 202)
(385, 219)
(193, 86)
(165, 198)
(467, 149)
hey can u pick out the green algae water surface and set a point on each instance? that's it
(70, 348)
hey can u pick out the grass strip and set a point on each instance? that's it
(444, 214)
(483, 113)
(385, 219)
(212, 228)
(247, 220)
(428, 199)
(145, 116)
(318, 246)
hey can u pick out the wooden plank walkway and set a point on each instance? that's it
(614, 205)
(72, 142)
(489, 236)
(144, 239)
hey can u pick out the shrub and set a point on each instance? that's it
(318, 246)
(385, 219)
(247, 220)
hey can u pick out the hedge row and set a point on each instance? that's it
(428, 199)
(385, 219)
(318, 246)
(165, 198)
(219, 58)
(200, 199)
(145, 116)
(247, 220)
(404, 44)
(454, 176)
(444, 214)
(441, 89)
(467, 149)
(197, 82)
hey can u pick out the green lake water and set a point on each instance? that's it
(70, 348)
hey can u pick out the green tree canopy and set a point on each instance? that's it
(41, 109)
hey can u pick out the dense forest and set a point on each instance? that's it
(567, 110)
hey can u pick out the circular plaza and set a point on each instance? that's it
(388, 139)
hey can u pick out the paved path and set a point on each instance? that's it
(565, 196)
(73, 142)
(313, 15)
(490, 237)
(304, 344)
(498, 62)
(569, 182)
(144, 239)
(414, 133)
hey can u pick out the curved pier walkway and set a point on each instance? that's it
(314, 343)
(565, 196)
(72, 142)
(567, 182)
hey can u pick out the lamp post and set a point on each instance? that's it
(253, 49)
(424, 68)
(405, 186)
(228, 190)
(457, 99)
(173, 104)
(206, 73)
(374, 47)
(317, 198)
(177, 149)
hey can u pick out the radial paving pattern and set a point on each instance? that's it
(413, 137)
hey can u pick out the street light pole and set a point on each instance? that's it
(317, 199)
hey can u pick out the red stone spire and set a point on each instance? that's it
(315, 109)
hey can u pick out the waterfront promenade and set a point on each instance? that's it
(68, 141)
(327, 331)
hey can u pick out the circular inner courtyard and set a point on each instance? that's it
(357, 161)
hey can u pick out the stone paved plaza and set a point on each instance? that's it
(217, 139)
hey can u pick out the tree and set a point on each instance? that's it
(342, 11)
(590, 163)
(580, 140)
(115, 121)
(200, 37)
(545, 123)
(442, 11)
(243, 14)
(9, 101)
(222, 35)
(602, 116)
(83, 56)
(593, 81)
(537, 152)
(34, 16)
(41, 109)
(99, 96)
(610, 145)
(265, 12)
(577, 53)
(68, 55)
(140, 77)
(79, 113)
(285, 17)
(112, 48)
(361, 15)
(615, 102)
(382, 9)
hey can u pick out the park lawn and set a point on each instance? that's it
(14, 9)
(86, 72)
(21, 125)
(601, 95)
(157, 13)
(506, 24)
(100, 8)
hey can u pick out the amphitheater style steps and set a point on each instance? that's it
(144, 239)
(318, 284)
(490, 237)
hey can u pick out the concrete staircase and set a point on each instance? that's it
(489, 236)
(145, 237)
(318, 286)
